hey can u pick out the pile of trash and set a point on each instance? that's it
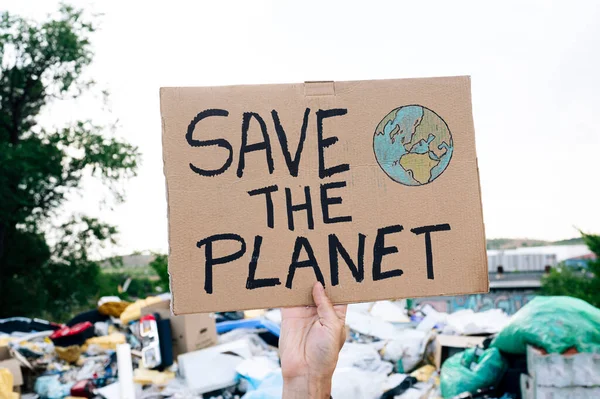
(139, 350)
(549, 349)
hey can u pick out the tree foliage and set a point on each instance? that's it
(43, 266)
(583, 284)
(159, 264)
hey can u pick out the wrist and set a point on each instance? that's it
(307, 387)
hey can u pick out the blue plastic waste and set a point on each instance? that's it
(50, 387)
(270, 388)
(226, 326)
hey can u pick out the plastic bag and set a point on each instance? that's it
(256, 369)
(50, 387)
(554, 323)
(467, 322)
(409, 347)
(269, 388)
(364, 357)
(471, 370)
(352, 382)
(347, 382)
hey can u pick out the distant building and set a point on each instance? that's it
(533, 259)
(515, 278)
(137, 260)
(134, 261)
(580, 262)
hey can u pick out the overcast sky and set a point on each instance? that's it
(534, 68)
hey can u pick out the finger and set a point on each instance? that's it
(341, 311)
(324, 307)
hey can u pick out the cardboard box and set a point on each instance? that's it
(448, 345)
(14, 367)
(189, 332)
(4, 352)
(370, 187)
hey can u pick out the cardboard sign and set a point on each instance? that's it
(370, 187)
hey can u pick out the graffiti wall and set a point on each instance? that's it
(509, 301)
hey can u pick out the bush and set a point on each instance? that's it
(160, 266)
(584, 284)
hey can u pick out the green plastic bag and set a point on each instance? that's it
(554, 323)
(467, 372)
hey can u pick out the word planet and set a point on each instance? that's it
(413, 145)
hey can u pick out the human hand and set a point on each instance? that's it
(309, 344)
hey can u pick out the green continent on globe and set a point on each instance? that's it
(430, 125)
(419, 165)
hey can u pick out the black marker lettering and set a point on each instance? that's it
(263, 145)
(326, 142)
(326, 201)
(292, 164)
(207, 143)
(336, 248)
(380, 250)
(302, 242)
(267, 192)
(210, 261)
(252, 282)
(293, 208)
(427, 230)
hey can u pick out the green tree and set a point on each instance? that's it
(42, 266)
(159, 264)
(583, 284)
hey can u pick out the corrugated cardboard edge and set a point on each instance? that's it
(320, 88)
(354, 84)
(162, 123)
(374, 299)
(483, 239)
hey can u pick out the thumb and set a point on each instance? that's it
(325, 309)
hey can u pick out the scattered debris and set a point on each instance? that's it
(140, 350)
